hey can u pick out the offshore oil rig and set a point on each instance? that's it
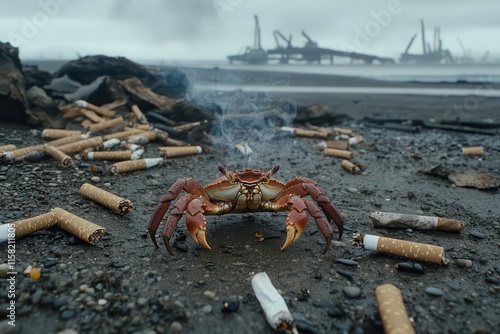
(285, 51)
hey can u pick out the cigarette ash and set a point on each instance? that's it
(246, 123)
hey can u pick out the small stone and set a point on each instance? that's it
(463, 263)
(207, 309)
(477, 234)
(155, 319)
(352, 291)
(95, 179)
(142, 301)
(345, 273)
(353, 190)
(102, 302)
(335, 312)
(209, 294)
(27, 270)
(50, 264)
(336, 243)
(4, 269)
(35, 299)
(230, 306)
(176, 327)
(492, 280)
(347, 262)
(67, 314)
(434, 291)
(451, 298)
(182, 247)
(59, 302)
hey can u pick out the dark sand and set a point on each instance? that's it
(146, 290)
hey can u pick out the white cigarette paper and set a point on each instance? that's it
(271, 301)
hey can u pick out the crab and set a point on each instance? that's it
(241, 191)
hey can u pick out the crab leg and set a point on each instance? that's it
(187, 184)
(322, 222)
(172, 220)
(305, 187)
(297, 218)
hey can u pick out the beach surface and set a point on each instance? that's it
(123, 284)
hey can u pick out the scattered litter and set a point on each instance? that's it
(392, 310)
(401, 220)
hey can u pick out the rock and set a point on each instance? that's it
(347, 262)
(230, 306)
(142, 301)
(477, 234)
(67, 314)
(4, 269)
(207, 309)
(463, 263)
(209, 294)
(102, 302)
(352, 291)
(492, 280)
(182, 247)
(434, 291)
(176, 327)
(95, 179)
(59, 302)
(37, 296)
(335, 312)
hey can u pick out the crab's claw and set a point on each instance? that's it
(296, 220)
(196, 223)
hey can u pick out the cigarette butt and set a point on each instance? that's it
(81, 145)
(174, 142)
(337, 144)
(130, 146)
(406, 249)
(30, 225)
(349, 166)
(98, 110)
(138, 113)
(109, 200)
(306, 133)
(106, 124)
(70, 112)
(392, 310)
(110, 143)
(59, 133)
(91, 115)
(342, 131)
(142, 138)
(67, 140)
(400, 220)
(473, 150)
(60, 156)
(143, 127)
(122, 134)
(333, 152)
(108, 155)
(7, 148)
(355, 140)
(189, 126)
(133, 165)
(83, 229)
(178, 151)
(273, 304)
(19, 153)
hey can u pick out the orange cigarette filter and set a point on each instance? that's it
(103, 197)
(138, 113)
(392, 310)
(333, 152)
(30, 225)
(342, 131)
(349, 166)
(60, 156)
(7, 148)
(133, 165)
(81, 145)
(82, 228)
(178, 151)
(106, 124)
(59, 133)
(473, 151)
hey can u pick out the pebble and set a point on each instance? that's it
(176, 327)
(230, 306)
(352, 291)
(347, 262)
(344, 273)
(353, 190)
(102, 302)
(463, 263)
(410, 267)
(67, 314)
(451, 298)
(477, 234)
(142, 301)
(434, 291)
(50, 264)
(207, 309)
(59, 302)
(209, 294)
(492, 280)
(95, 179)
(4, 269)
(335, 312)
(35, 299)
(182, 247)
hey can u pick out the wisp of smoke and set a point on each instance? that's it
(247, 123)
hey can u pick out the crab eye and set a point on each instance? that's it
(222, 169)
(275, 169)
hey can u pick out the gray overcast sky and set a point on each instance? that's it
(208, 29)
